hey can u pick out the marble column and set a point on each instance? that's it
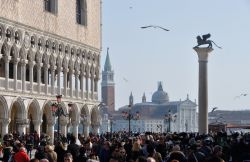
(87, 86)
(203, 90)
(96, 129)
(65, 80)
(52, 69)
(58, 80)
(75, 125)
(63, 127)
(23, 75)
(92, 87)
(50, 130)
(31, 65)
(15, 74)
(86, 129)
(71, 82)
(7, 61)
(5, 126)
(39, 65)
(82, 85)
(46, 78)
(37, 125)
(76, 84)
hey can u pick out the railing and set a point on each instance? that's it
(88, 96)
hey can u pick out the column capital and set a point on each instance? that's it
(37, 122)
(75, 123)
(51, 122)
(203, 52)
(5, 121)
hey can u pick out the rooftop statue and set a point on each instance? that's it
(205, 40)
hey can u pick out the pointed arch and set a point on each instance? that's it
(18, 101)
(3, 108)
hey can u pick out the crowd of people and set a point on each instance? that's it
(118, 147)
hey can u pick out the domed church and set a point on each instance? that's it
(161, 114)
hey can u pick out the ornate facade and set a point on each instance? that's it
(40, 59)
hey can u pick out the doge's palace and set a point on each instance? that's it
(49, 47)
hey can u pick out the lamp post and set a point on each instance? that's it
(128, 115)
(168, 118)
(57, 111)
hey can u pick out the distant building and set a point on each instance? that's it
(153, 114)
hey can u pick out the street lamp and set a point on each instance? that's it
(57, 111)
(127, 115)
(168, 118)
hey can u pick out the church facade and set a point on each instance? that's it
(49, 48)
(159, 115)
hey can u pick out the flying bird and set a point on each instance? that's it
(154, 26)
(214, 108)
(243, 94)
(126, 80)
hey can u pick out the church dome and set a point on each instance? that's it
(160, 96)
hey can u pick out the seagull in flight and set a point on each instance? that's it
(242, 94)
(214, 108)
(154, 26)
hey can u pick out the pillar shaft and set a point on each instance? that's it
(203, 90)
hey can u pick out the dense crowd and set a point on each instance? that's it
(118, 147)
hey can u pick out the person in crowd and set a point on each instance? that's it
(176, 154)
(73, 148)
(50, 153)
(68, 157)
(153, 153)
(216, 155)
(21, 155)
(61, 150)
(105, 152)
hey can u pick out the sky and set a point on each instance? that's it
(141, 58)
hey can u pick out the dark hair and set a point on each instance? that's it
(142, 159)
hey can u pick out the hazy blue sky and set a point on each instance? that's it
(146, 56)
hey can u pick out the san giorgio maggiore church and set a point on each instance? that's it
(158, 115)
(49, 48)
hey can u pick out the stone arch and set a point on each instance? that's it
(74, 113)
(18, 36)
(17, 116)
(61, 48)
(95, 115)
(84, 54)
(84, 118)
(89, 56)
(33, 114)
(54, 46)
(3, 108)
(65, 63)
(47, 117)
(41, 43)
(23, 54)
(4, 118)
(52, 60)
(5, 49)
(73, 52)
(14, 52)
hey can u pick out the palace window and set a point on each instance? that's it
(81, 12)
(50, 6)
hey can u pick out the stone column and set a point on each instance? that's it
(203, 91)
(23, 75)
(96, 129)
(86, 129)
(31, 65)
(76, 84)
(15, 74)
(46, 78)
(71, 82)
(52, 69)
(65, 80)
(50, 130)
(58, 80)
(39, 65)
(87, 86)
(75, 125)
(63, 127)
(7, 61)
(81, 85)
(37, 124)
(5, 126)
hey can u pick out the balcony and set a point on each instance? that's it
(43, 91)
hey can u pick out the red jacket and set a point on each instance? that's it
(21, 156)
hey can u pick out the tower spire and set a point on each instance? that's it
(107, 65)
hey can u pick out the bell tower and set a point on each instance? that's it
(108, 85)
